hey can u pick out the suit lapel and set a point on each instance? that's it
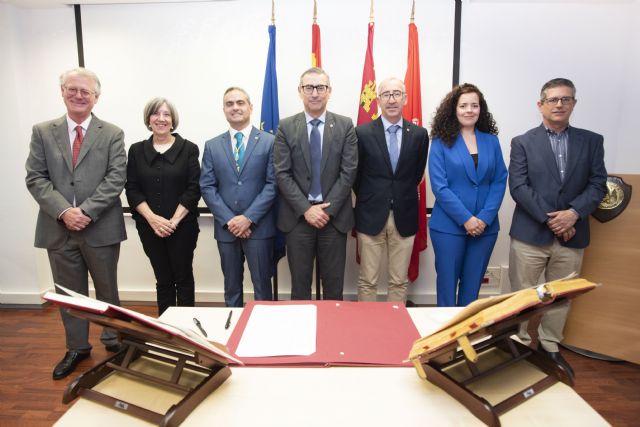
(302, 136)
(405, 148)
(544, 147)
(484, 151)
(254, 138)
(575, 146)
(460, 149)
(225, 141)
(61, 134)
(381, 142)
(90, 138)
(327, 139)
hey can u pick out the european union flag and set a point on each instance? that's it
(269, 119)
(270, 116)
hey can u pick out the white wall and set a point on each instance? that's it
(190, 52)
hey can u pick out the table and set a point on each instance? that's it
(335, 396)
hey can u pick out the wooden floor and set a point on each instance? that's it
(32, 342)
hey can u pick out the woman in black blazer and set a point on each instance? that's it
(163, 189)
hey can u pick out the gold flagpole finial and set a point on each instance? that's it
(315, 12)
(273, 12)
(413, 10)
(371, 12)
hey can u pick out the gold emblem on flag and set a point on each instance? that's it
(368, 95)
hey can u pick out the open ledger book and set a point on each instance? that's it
(488, 311)
(91, 305)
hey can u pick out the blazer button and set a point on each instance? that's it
(239, 182)
(72, 184)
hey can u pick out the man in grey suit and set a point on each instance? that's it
(557, 178)
(239, 187)
(76, 170)
(316, 159)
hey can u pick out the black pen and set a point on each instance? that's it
(226, 325)
(197, 322)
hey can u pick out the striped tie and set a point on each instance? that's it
(239, 150)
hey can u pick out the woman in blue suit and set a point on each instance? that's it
(468, 178)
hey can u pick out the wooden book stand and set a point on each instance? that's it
(141, 341)
(489, 323)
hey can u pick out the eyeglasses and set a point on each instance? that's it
(396, 94)
(566, 100)
(73, 91)
(308, 89)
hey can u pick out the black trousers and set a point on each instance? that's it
(172, 261)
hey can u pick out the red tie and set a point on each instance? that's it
(76, 145)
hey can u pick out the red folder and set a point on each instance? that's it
(348, 334)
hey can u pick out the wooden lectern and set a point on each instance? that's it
(477, 343)
(197, 367)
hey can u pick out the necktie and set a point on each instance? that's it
(316, 157)
(393, 146)
(76, 145)
(239, 150)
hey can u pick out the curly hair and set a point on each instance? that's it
(445, 123)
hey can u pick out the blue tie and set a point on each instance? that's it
(238, 152)
(393, 146)
(316, 157)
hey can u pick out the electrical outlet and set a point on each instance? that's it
(491, 279)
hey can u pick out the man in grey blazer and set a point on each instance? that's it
(557, 178)
(316, 158)
(76, 170)
(239, 187)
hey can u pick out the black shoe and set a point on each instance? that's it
(557, 357)
(115, 348)
(68, 364)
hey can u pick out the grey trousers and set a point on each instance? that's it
(70, 265)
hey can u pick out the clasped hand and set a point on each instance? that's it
(562, 223)
(75, 220)
(475, 226)
(161, 226)
(316, 216)
(240, 226)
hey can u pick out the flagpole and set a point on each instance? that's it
(371, 13)
(273, 12)
(315, 12)
(413, 12)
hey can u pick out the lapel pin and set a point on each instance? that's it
(331, 125)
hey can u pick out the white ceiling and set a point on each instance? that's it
(61, 3)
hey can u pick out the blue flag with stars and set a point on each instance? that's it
(269, 119)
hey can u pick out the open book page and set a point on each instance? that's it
(85, 303)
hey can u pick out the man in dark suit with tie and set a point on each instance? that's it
(392, 155)
(239, 187)
(315, 158)
(76, 170)
(557, 178)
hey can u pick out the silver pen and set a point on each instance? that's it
(197, 322)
